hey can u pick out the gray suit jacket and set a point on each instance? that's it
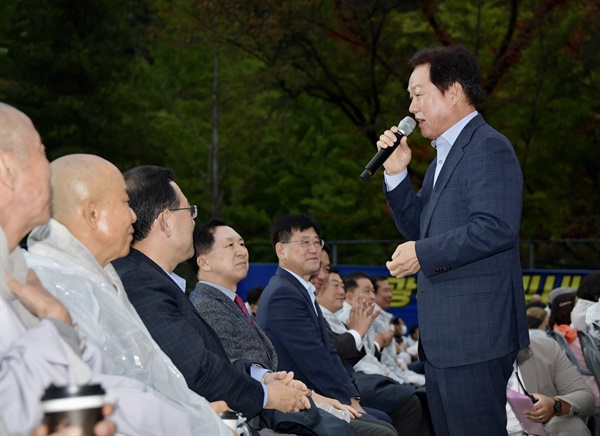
(545, 369)
(240, 339)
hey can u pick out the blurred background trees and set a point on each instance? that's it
(266, 107)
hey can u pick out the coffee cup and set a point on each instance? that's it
(230, 419)
(73, 405)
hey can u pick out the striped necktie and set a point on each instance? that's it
(240, 303)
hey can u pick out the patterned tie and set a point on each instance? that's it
(240, 303)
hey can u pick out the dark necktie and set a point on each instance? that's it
(240, 303)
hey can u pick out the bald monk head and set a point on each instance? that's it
(24, 176)
(90, 199)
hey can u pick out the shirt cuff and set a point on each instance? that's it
(377, 346)
(258, 373)
(392, 181)
(357, 339)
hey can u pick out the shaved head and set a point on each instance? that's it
(24, 176)
(76, 180)
(16, 131)
(90, 199)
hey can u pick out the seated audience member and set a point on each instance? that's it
(252, 298)
(592, 322)
(560, 321)
(536, 300)
(558, 291)
(39, 344)
(380, 338)
(383, 295)
(537, 321)
(560, 315)
(408, 354)
(400, 401)
(163, 238)
(588, 293)
(562, 396)
(91, 225)
(222, 261)
(331, 299)
(289, 315)
(413, 336)
(399, 328)
(383, 299)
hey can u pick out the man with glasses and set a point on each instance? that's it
(91, 225)
(221, 261)
(291, 318)
(163, 238)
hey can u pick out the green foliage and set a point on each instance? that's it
(264, 108)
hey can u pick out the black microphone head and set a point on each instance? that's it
(407, 125)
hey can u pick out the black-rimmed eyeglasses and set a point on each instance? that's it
(193, 210)
(305, 243)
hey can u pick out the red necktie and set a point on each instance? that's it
(240, 303)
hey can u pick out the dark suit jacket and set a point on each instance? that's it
(185, 337)
(345, 345)
(470, 288)
(239, 337)
(287, 315)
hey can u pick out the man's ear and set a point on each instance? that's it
(456, 92)
(280, 250)
(8, 169)
(91, 214)
(350, 297)
(203, 264)
(164, 219)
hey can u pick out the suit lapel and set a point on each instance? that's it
(145, 261)
(225, 300)
(454, 157)
(304, 292)
(253, 329)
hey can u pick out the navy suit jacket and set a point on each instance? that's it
(471, 303)
(287, 315)
(185, 337)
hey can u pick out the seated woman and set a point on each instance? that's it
(560, 321)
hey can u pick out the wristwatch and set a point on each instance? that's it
(557, 407)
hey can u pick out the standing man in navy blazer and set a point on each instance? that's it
(163, 239)
(462, 229)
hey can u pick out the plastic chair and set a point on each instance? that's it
(570, 355)
(591, 354)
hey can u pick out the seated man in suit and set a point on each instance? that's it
(544, 370)
(39, 343)
(163, 239)
(221, 262)
(291, 318)
(91, 225)
(405, 403)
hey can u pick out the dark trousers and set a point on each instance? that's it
(471, 399)
(369, 426)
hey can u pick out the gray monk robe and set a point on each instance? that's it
(34, 354)
(98, 304)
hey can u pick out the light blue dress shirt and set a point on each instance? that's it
(443, 145)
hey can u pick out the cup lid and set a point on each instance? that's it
(229, 414)
(71, 391)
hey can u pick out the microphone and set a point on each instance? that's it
(405, 128)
